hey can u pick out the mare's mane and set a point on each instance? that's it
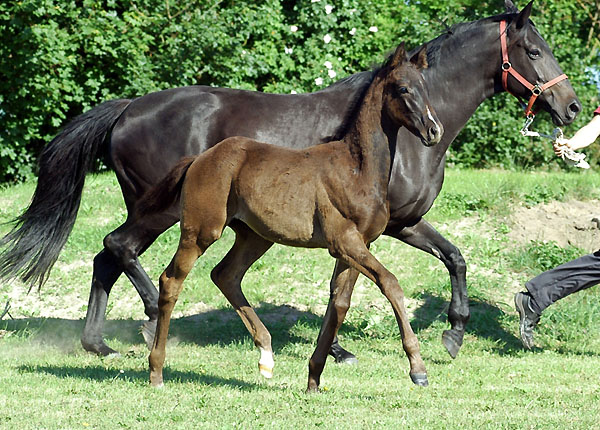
(363, 80)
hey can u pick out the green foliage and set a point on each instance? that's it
(539, 256)
(59, 58)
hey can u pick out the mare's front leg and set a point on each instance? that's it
(423, 236)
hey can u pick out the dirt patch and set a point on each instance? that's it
(566, 223)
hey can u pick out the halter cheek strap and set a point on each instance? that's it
(507, 68)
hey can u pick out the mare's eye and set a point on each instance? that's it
(533, 53)
(403, 90)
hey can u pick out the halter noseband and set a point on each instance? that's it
(507, 68)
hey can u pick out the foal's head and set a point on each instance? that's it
(406, 100)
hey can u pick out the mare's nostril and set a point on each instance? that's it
(575, 107)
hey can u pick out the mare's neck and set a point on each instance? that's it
(463, 75)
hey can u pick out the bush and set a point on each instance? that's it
(59, 58)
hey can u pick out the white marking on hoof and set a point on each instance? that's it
(266, 363)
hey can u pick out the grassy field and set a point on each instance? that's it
(48, 382)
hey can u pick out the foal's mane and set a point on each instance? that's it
(364, 80)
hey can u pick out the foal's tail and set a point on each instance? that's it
(164, 194)
(31, 248)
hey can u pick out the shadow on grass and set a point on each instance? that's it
(103, 374)
(218, 326)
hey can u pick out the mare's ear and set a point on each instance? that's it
(420, 58)
(523, 18)
(510, 7)
(399, 56)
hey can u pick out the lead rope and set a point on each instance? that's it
(569, 156)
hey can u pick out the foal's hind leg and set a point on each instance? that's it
(191, 246)
(228, 274)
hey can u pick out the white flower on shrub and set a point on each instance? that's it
(353, 31)
(328, 64)
(293, 92)
(327, 38)
(331, 73)
(319, 81)
(293, 28)
(315, 1)
(373, 29)
(288, 50)
(328, 9)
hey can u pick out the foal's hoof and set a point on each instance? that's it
(148, 329)
(265, 371)
(452, 340)
(419, 379)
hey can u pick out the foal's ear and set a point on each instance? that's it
(399, 56)
(523, 18)
(510, 7)
(420, 58)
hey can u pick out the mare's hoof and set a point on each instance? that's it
(452, 340)
(265, 371)
(419, 379)
(148, 329)
(100, 349)
(341, 355)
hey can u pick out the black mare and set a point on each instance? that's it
(145, 137)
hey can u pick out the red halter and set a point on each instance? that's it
(507, 68)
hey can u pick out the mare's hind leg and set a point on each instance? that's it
(122, 248)
(191, 246)
(426, 238)
(228, 274)
(350, 248)
(106, 273)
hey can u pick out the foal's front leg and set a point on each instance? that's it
(350, 248)
(339, 302)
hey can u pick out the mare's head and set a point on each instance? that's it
(530, 56)
(405, 98)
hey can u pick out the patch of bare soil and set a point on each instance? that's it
(573, 223)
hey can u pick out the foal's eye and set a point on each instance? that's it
(533, 53)
(403, 90)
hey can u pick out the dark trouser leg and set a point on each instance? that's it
(568, 278)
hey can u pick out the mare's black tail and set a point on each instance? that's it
(31, 248)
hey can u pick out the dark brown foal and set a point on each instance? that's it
(330, 196)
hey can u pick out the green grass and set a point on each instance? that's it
(48, 382)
